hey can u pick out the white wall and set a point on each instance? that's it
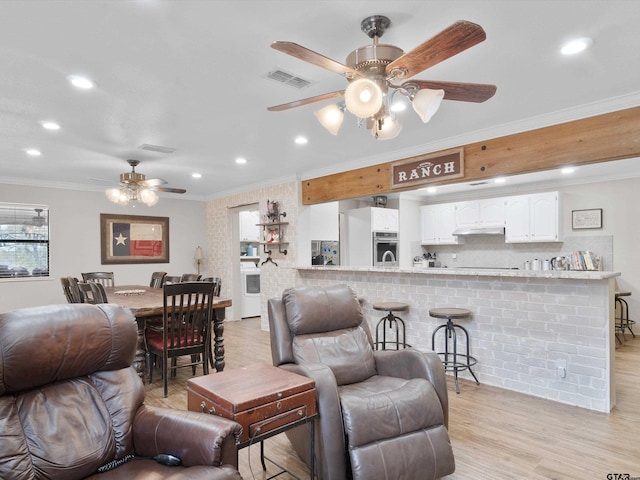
(75, 241)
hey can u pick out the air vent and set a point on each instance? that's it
(476, 184)
(156, 148)
(281, 76)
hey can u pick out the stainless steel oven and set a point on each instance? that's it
(385, 249)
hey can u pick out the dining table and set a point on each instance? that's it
(146, 303)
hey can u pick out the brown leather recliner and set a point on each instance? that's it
(383, 414)
(70, 402)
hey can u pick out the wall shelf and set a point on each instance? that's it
(273, 235)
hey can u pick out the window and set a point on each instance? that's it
(24, 240)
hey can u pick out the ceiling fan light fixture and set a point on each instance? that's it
(330, 117)
(386, 128)
(113, 194)
(148, 197)
(363, 98)
(426, 103)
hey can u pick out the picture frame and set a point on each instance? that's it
(127, 239)
(587, 219)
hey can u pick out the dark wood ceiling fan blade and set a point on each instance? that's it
(462, 92)
(306, 101)
(306, 55)
(170, 190)
(451, 41)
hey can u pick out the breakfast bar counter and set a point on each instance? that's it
(543, 333)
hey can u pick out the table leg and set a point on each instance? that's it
(218, 340)
(140, 360)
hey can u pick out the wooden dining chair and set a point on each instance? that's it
(71, 290)
(171, 279)
(105, 278)
(217, 284)
(185, 330)
(98, 293)
(86, 293)
(190, 277)
(157, 279)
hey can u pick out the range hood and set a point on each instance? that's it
(479, 231)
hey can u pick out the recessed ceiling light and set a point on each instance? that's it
(81, 82)
(241, 160)
(431, 189)
(567, 170)
(300, 140)
(500, 180)
(34, 152)
(576, 46)
(196, 175)
(50, 125)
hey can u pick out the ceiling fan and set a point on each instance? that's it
(136, 186)
(38, 220)
(376, 72)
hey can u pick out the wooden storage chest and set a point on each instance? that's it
(261, 398)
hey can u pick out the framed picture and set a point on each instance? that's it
(586, 219)
(133, 239)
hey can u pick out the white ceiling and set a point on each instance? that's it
(191, 75)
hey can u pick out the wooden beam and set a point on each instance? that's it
(602, 138)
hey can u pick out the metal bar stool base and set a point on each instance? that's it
(452, 360)
(392, 321)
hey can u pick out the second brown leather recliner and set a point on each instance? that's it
(383, 414)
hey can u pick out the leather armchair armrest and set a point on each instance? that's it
(330, 430)
(411, 363)
(196, 438)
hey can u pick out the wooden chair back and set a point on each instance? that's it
(217, 284)
(71, 290)
(186, 325)
(190, 277)
(171, 279)
(105, 278)
(157, 279)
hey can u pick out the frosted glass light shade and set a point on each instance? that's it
(389, 129)
(426, 103)
(148, 197)
(113, 194)
(330, 117)
(363, 98)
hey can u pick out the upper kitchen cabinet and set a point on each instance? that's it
(533, 218)
(480, 213)
(249, 230)
(437, 225)
(384, 219)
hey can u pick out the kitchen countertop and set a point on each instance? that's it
(470, 271)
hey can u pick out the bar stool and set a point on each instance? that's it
(452, 360)
(392, 321)
(623, 322)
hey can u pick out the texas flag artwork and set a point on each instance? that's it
(136, 239)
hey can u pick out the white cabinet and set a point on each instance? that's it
(533, 218)
(481, 213)
(384, 219)
(249, 230)
(437, 225)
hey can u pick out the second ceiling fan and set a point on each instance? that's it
(376, 72)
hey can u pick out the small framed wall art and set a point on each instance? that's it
(134, 239)
(586, 219)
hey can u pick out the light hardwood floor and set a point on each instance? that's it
(496, 434)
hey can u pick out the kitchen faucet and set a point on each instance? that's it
(384, 257)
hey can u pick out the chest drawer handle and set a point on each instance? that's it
(203, 406)
(279, 405)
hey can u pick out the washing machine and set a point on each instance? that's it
(250, 300)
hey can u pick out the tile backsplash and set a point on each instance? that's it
(490, 251)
